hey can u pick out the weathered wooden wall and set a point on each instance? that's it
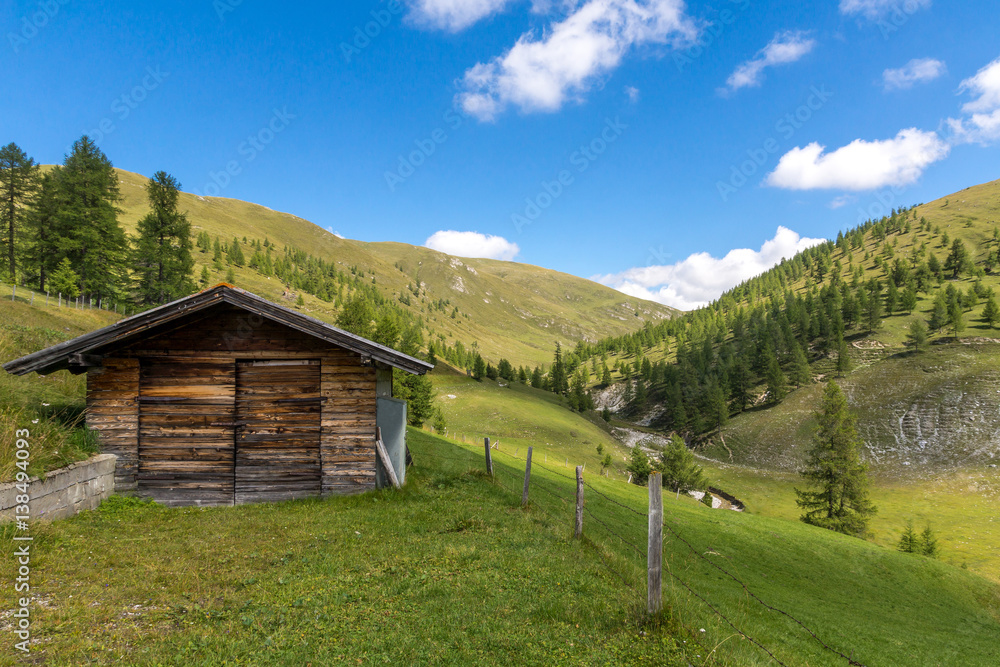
(113, 413)
(186, 438)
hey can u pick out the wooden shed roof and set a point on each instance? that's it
(73, 354)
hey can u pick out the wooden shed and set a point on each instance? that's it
(223, 397)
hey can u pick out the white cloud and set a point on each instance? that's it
(983, 123)
(472, 244)
(541, 74)
(786, 47)
(860, 165)
(877, 9)
(918, 70)
(453, 15)
(633, 94)
(701, 278)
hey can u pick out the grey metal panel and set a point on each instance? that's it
(390, 417)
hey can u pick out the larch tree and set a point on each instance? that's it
(162, 252)
(40, 252)
(838, 499)
(19, 179)
(88, 229)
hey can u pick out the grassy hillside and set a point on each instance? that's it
(452, 571)
(920, 413)
(50, 407)
(511, 310)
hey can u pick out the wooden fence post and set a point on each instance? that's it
(579, 502)
(489, 458)
(654, 555)
(527, 478)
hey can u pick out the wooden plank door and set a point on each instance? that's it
(186, 431)
(278, 407)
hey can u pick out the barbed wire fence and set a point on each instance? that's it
(598, 510)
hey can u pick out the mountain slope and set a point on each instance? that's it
(512, 310)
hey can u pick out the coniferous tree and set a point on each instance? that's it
(40, 251)
(19, 180)
(843, 358)
(908, 301)
(939, 312)
(64, 280)
(834, 467)
(235, 254)
(162, 255)
(478, 368)
(680, 472)
(958, 260)
(557, 375)
(928, 543)
(873, 305)
(358, 316)
(775, 380)
(990, 311)
(88, 231)
(917, 335)
(908, 541)
(800, 373)
(638, 465)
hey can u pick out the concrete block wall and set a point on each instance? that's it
(64, 492)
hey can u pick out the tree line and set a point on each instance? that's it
(62, 234)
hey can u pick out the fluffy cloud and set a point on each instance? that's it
(701, 278)
(983, 122)
(472, 244)
(541, 74)
(877, 9)
(786, 47)
(453, 15)
(860, 165)
(918, 70)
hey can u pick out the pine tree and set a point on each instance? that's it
(909, 299)
(917, 335)
(88, 231)
(64, 280)
(235, 254)
(680, 472)
(775, 380)
(19, 180)
(557, 375)
(162, 255)
(800, 372)
(833, 464)
(958, 259)
(928, 543)
(605, 376)
(843, 358)
(939, 312)
(873, 305)
(478, 368)
(205, 276)
(991, 314)
(40, 250)
(638, 465)
(358, 317)
(908, 541)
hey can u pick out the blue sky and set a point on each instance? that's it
(668, 149)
